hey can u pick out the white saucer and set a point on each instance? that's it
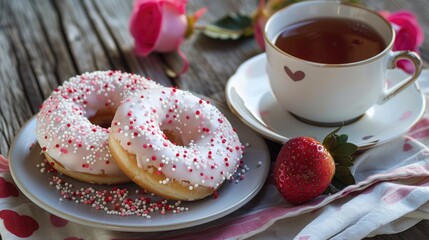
(249, 96)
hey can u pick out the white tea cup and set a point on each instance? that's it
(332, 94)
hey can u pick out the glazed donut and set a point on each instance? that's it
(174, 144)
(74, 122)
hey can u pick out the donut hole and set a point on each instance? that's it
(102, 118)
(174, 137)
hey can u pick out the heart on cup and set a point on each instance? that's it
(295, 76)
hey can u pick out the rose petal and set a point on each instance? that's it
(259, 21)
(172, 30)
(409, 34)
(258, 31)
(180, 5)
(405, 39)
(145, 25)
(200, 12)
(406, 19)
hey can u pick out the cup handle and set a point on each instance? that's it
(395, 57)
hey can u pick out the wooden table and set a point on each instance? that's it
(44, 42)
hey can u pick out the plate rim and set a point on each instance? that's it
(138, 228)
(270, 134)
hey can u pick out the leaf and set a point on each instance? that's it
(344, 176)
(342, 139)
(337, 184)
(345, 149)
(344, 160)
(232, 26)
(330, 142)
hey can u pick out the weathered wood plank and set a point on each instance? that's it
(115, 15)
(62, 66)
(105, 37)
(33, 40)
(14, 106)
(85, 46)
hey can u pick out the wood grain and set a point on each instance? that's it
(115, 16)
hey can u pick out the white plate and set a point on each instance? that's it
(249, 96)
(35, 186)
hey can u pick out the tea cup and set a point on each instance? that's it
(329, 94)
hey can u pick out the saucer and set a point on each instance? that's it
(249, 96)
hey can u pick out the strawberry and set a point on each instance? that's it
(305, 167)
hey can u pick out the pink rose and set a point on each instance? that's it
(261, 15)
(154, 22)
(260, 18)
(161, 26)
(409, 35)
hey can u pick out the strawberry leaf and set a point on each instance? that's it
(343, 177)
(330, 142)
(345, 149)
(344, 160)
(342, 153)
(342, 139)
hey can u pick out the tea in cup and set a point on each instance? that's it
(327, 60)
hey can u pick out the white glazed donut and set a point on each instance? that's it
(174, 144)
(74, 122)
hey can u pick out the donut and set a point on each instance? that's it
(174, 144)
(73, 124)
